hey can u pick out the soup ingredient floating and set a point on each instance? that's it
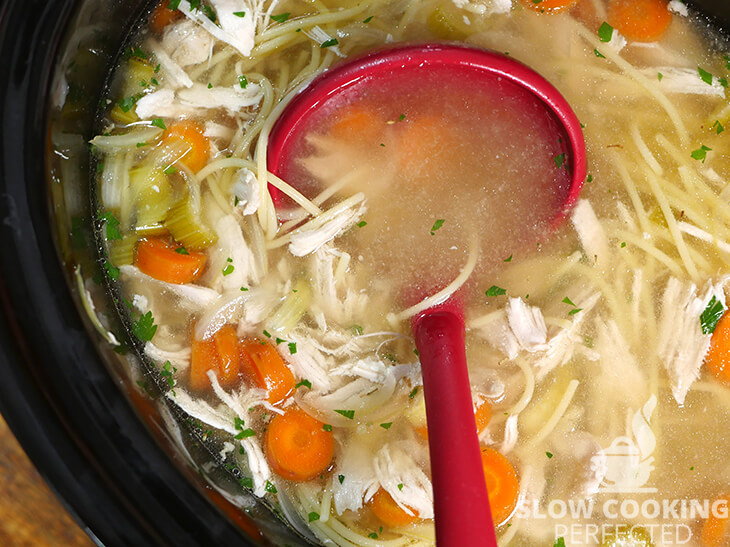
(436, 124)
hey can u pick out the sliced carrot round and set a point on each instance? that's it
(717, 359)
(389, 512)
(297, 446)
(195, 143)
(503, 486)
(163, 16)
(482, 415)
(640, 20)
(160, 259)
(203, 357)
(270, 372)
(229, 354)
(549, 6)
(358, 123)
(715, 530)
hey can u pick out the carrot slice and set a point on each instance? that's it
(549, 6)
(159, 259)
(640, 20)
(203, 358)
(270, 370)
(718, 356)
(424, 142)
(229, 354)
(163, 16)
(482, 415)
(389, 512)
(503, 486)
(193, 139)
(714, 531)
(358, 123)
(297, 446)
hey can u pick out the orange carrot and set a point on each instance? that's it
(160, 259)
(503, 485)
(640, 20)
(163, 16)
(549, 6)
(297, 446)
(227, 347)
(482, 415)
(270, 371)
(424, 141)
(203, 358)
(389, 512)
(718, 356)
(190, 134)
(358, 123)
(714, 531)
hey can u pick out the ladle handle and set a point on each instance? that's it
(461, 505)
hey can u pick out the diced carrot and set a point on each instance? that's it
(160, 259)
(422, 431)
(203, 358)
(482, 415)
(163, 16)
(503, 486)
(389, 512)
(424, 142)
(717, 359)
(270, 370)
(194, 140)
(297, 446)
(640, 20)
(358, 123)
(229, 354)
(715, 530)
(549, 6)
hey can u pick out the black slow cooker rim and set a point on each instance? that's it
(56, 395)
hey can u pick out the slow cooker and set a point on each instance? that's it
(64, 392)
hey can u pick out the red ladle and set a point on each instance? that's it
(461, 504)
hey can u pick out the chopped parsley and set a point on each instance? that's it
(574, 311)
(313, 516)
(244, 289)
(341, 478)
(495, 291)
(436, 225)
(413, 393)
(549, 455)
(281, 18)
(373, 535)
(560, 542)
(266, 333)
(157, 122)
(238, 423)
(245, 433)
(711, 316)
(329, 43)
(367, 20)
(400, 486)
(228, 270)
(246, 482)
(112, 226)
(723, 82)
(243, 81)
(327, 427)
(349, 414)
(182, 251)
(111, 270)
(659, 76)
(127, 103)
(239, 13)
(599, 54)
(401, 117)
(623, 244)
(361, 224)
(701, 153)
(279, 340)
(415, 350)
(210, 13)
(170, 170)
(704, 75)
(589, 178)
(605, 32)
(166, 372)
(144, 328)
(692, 468)
(292, 347)
(173, 5)
(386, 425)
(306, 383)
(508, 259)
(141, 144)
(568, 301)
(559, 160)
(717, 126)
(270, 487)
(210, 86)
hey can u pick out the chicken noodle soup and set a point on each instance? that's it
(597, 352)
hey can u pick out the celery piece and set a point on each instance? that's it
(152, 193)
(445, 24)
(121, 252)
(125, 118)
(138, 71)
(292, 309)
(184, 223)
(150, 230)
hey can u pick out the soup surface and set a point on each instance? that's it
(597, 351)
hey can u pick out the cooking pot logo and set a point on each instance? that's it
(629, 461)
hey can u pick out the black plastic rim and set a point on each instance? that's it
(58, 398)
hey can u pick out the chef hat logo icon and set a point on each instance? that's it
(628, 460)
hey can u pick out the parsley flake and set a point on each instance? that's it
(313, 516)
(242, 81)
(560, 542)
(238, 423)
(659, 76)
(157, 122)
(717, 126)
(111, 270)
(598, 54)
(329, 43)
(281, 18)
(701, 153)
(386, 425)
(400, 486)
(704, 75)
(127, 103)
(605, 32)
(495, 291)
(244, 289)
(367, 20)
(144, 328)
(349, 414)
(292, 347)
(508, 259)
(559, 160)
(341, 478)
(244, 434)
(170, 170)
(589, 178)
(239, 13)
(228, 270)
(173, 5)
(413, 393)
(327, 427)
(436, 225)
(306, 383)
(112, 226)
(361, 224)
(711, 316)
(246, 482)
(270, 488)
(182, 251)
(568, 301)
(373, 535)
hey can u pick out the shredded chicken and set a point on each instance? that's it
(169, 103)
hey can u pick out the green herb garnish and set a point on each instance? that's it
(329, 43)
(242, 81)
(270, 488)
(112, 226)
(157, 122)
(349, 414)
(559, 160)
(327, 427)
(182, 251)
(144, 328)
(386, 425)
(111, 270)
(436, 225)
(245, 434)
(704, 75)
(282, 17)
(599, 54)
(605, 32)
(305, 383)
(413, 393)
(495, 291)
(701, 153)
(717, 126)
(367, 20)
(341, 478)
(313, 516)
(711, 316)
(239, 13)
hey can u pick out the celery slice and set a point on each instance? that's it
(121, 117)
(153, 194)
(292, 309)
(149, 230)
(121, 251)
(183, 222)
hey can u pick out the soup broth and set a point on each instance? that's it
(597, 350)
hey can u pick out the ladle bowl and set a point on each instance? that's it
(461, 504)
